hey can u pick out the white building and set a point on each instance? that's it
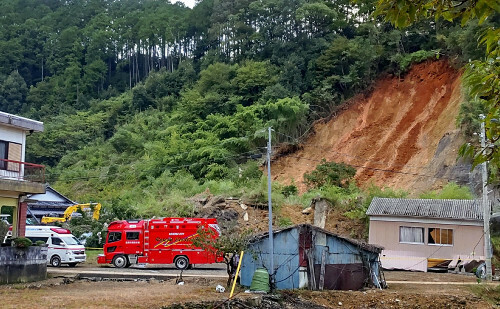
(17, 177)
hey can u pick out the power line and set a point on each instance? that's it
(329, 148)
(380, 169)
(175, 167)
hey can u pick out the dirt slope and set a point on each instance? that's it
(393, 133)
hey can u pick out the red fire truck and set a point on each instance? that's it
(160, 241)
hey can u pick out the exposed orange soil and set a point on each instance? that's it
(389, 135)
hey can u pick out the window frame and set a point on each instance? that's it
(136, 235)
(61, 242)
(115, 240)
(440, 237)
(409, 242)
(4, 164)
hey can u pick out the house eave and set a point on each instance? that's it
(21, 122)
(23, 187)
(427, 220)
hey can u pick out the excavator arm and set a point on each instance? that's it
(71, 209)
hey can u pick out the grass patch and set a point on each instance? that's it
(487, 292)
(92, 256)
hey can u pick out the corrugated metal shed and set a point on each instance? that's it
(302, 252)
(427, 208)
(363, 245)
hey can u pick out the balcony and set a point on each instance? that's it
(20, 176)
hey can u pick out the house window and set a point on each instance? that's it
(412, 235)
(4, 151)
(438, 236)
(11, 152)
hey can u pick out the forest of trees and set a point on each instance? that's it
(139, 95)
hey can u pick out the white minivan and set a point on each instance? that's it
(63, 247)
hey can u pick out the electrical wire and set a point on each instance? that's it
(242, 155)
(352, 156)
(380, 169)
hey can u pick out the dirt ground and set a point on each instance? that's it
(70, 293)
(390, 135)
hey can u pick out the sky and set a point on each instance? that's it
(189, 3)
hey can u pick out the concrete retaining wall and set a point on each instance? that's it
(23, 264)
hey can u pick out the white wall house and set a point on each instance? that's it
(418, 234)
(17, 177)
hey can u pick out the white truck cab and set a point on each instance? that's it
(63, 247)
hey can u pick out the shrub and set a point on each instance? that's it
(21, 242)
(39, 243)
(450, 191)
(4, 229)
(330, 173)
(289, 190)
(284, 222)
(405, 61)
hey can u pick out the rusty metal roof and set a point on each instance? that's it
(369, 247)
(427, 208)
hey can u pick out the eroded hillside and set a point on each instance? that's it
(402, 135)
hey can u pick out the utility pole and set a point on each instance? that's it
(486, 206)
(270, 207)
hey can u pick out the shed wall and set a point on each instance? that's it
(344, 266)
(347, 267)
(286, 259)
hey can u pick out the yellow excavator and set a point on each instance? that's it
(71, 209)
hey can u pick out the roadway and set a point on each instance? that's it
(160, 272)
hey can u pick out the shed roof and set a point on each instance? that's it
(427, 208)
(358, 243)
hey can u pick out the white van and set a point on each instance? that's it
(63, 247)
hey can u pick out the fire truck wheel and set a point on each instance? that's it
(181, 262)
(120, 261)
(55, 261)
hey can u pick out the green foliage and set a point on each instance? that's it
(284, 222)
(21, 242)
(13, 92)
(39, 243)
(330, 174)
(146, 103)
(229, 245)
(249, 171)
(450, 191)
(404, 61)
(290, 190)
(405, 13)
(490, 293)
(4, 229)
(468, 119)
(361, 206)
(481, 76)
(258, 193)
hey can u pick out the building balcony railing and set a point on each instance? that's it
(22, 171)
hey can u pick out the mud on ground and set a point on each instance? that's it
(200, 293)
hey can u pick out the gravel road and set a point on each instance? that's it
(156, 271)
